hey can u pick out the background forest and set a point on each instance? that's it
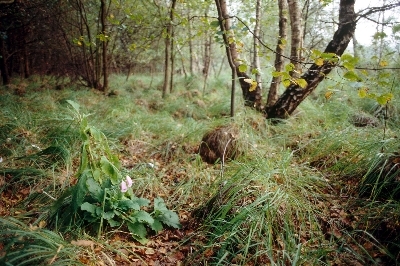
(180, 132)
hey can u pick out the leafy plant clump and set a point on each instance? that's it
(102, 196)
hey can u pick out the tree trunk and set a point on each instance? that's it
(3, 62)
(104, 45)
(256, 57)
(191, 60)
(279, 59)
(296, 37)
(167, 62)
(225, 26)
(207, 53)
(250, 97)
(294, 94)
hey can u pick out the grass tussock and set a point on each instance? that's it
(315, 189)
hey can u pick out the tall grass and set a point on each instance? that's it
(275, 204)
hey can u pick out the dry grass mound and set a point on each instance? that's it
(220, 144)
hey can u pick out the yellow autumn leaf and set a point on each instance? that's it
(383, 63)
(363, 92)
(248, 81)
(328, 94)
(286, 83)
(302, 83)
(79, 43)
(319, 61)
(253, 86)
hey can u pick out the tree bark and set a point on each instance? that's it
(256, 57)
(104, 45)
(296, 36)
(3, 62)
(294, 94)
(250, 97)
(280, 49)
(167, 60)
(225, 26)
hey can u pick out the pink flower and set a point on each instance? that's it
(124, 187)
(129, 181)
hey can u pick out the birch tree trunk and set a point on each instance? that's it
(296, 36)
(256, 57)
(279, 59)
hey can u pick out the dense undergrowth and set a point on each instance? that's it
(311, 190)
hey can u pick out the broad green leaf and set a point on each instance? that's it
(302, 83)
(286, 83)
(79, 191)
(95, 189)
(157, 226)
(97, 175)
(289, 67)
(142, 202)
(348, 66)
(384, 98)
(143, 217)
(138, 232)
(350, 75)
(243, 68)
(363, 92)
(170, 218)
(86, 206)
(110, 170)
(276, 74)
(159, 205)
(108, 215)
(214, 23)
(113, 223)
(128, 205)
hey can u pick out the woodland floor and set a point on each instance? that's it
(171, 247)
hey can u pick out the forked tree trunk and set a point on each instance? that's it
(294, 94)
(280, 49)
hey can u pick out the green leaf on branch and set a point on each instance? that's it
(214, 23)
(243, 68)
(276, 74)
(363, 92)
(302, 83)
(384, 98)
(286, 83)
(352, 76)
